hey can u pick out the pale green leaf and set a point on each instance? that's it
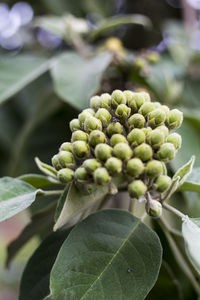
(38, 181)
(46, 169)
(192, 183)
(184, 171)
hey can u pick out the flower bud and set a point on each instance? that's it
(79, 135)
(164, 129)
(156, 105)
(66, 147)
(135, 167)
(122, 151)
(118, 97)
(162, 183)
(103, 152)
(166, 152)
(101, 176)
(113, 165)
(131, 101)
(81, 174)
(154, 209)
(146, 130)
(114, 127)
(96, 137)
(95, 102)
(91, 165)
(105, 101)
(66, 159)
(156, 117)
(175, 119)
(166, 110)
(136, 137)
(123, 111)
(175, 139)
(146, 108)
(137, 189)
(85, 114)
(144, 152)
(92, 123)
(65, 175)
(75, 125)
(80, 149)
(55, 162)
(140, 63)
(156, 138)
(154, 168)
(116, 139)
(141, 98)
(104, 116)
(129, 95)
(136, 121)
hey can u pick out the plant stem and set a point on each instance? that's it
(173, 210)
(50, 193)
(143, 217)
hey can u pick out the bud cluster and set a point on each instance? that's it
(122, 133)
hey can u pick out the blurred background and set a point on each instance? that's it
(54, 55)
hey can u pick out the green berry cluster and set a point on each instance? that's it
(122, 133)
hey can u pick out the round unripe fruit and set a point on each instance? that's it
(129, 95)
(91, 165)
(136, 137)
(166, 152)
(85, 114)
(66, 159)
(175, 119)
(118, 97)
(116, 139)
(164, 129)
(146, 108)
(79, 135)
(113, 165)
(144, 152)
(65, 175)
(135, 167)
(103, 152)
(136, 121)
(154, 168)
(80, 149)
(92, 123)
(104, 116)
(96, 137)
(154, 209)
(55, 162)
(162, 183)
(156, 118)
(101, 176)
(66, 147)
(114, 127)
(141, 98)
(81, 174)
(175, 139)
(147, 130)
(122, 151)
(137, 189)
(95, 102)
(123, 111)
(75, 125)
(156, 138)
(105, 101)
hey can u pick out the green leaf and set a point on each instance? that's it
(191, 234)
(15, 196)
(18, 71)
(113, 23)
(110, 255)
(35, 280)
(46, 169)
(184, 171)
(76, 203)
(38, 181)
(76, 78)
(61, 202)
(192, 183)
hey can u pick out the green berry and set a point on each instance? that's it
(156, 118)
(101, 176)
(104, 116)
(175, 139)
(137, 189)
(113, 165)
(91, 165)
(66, 159)
(166, 152)
(117, 98)
(95, 102)
(163, 183)
(92, 123)
(164, 129)
(103, 152)
(146, 108)
(81, 174)
(65, 175)
(80, 149)
(156, 138)
(66, 147)
(141, 98)
(114, 127)
(117, 138)
(136, 121)
(96, 137)
(75, 125)
(55, 162)
(135, 167)
(136, 137)
(123, 111)
(154, 168)
(122, 151)
(154, 209)
(175, 119)
(105, 101)
(144, 152)
(79, 135)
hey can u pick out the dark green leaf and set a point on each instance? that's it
(110, 255)
(38, 181)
